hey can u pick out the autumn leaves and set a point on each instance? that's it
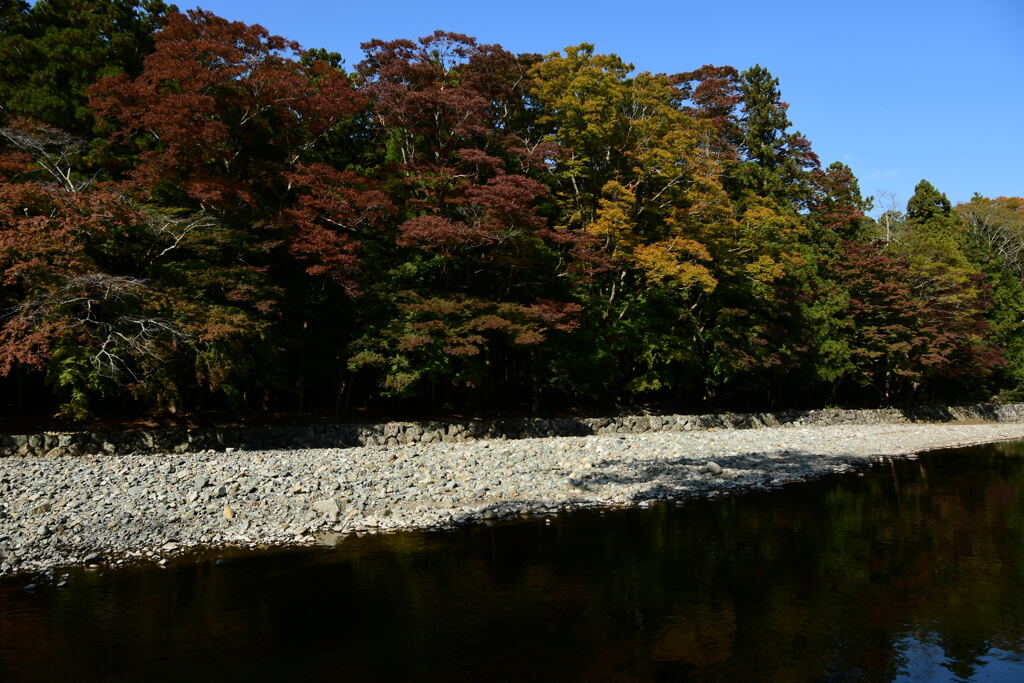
(450, 226)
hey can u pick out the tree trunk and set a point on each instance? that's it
(535, 380)
(19, 391)
(340, 402)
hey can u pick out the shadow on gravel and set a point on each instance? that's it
(669, 479)
(674, 477)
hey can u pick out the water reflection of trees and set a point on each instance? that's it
(830, 582)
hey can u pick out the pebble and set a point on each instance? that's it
(76, 511)
(712, 468)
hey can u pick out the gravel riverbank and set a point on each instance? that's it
(67, 511)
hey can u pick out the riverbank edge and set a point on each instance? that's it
(96, 553)
(353, 435)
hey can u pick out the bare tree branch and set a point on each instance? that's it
(1005, 242)
(170, 229)
(103, 308)
(54, 150)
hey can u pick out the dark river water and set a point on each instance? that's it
(913, 572)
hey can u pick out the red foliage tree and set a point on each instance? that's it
(905, 341)
(713, 94)
(332, 208)
(62, 311)
(226, 121)
(223, 109)
(835, 201)
(448, 113)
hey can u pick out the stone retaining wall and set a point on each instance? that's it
(395, 433)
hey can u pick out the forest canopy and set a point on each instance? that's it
(200, 217)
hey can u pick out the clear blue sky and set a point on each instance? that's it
(898, 89)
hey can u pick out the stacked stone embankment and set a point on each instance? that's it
(284, 436)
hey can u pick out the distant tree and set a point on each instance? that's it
(928, 206)
(888, 227)
(934, 239)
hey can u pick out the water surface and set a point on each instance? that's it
(914, 571)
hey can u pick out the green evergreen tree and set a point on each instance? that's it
(775, 161)
(52, 52)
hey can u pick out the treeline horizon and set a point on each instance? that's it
(198, 217)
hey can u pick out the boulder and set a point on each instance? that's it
(329, 508)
